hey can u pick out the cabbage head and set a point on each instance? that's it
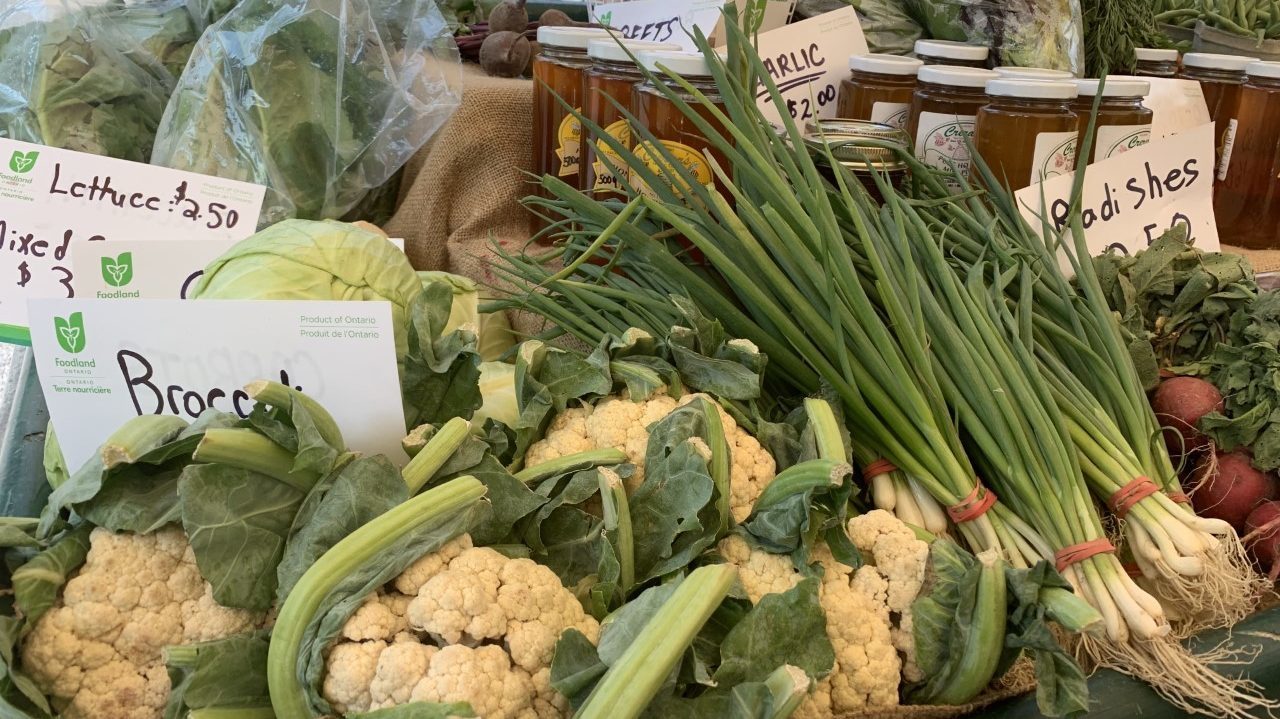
(493, 330)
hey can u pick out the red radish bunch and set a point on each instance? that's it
(1179, 403)
(1263, 538)
(1229, 488)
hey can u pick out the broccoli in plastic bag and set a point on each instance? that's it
(319, 100)
(90, 76)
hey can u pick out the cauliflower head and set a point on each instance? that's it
(464, 623)
(98, 653)
(618, 423)
(903, 559)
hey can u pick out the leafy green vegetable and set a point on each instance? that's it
(783, 629)
(419, 710)
(442, 366)
(493, 329)
(228, 673)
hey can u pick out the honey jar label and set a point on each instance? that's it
(1055, 155)
(943, 142)
(693, 161)
(893, 114)
(1228, 144)
(1118, 139)
(606, 181)
(570, 151)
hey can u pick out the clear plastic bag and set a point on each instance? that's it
(90, 76)
(1024, 33)
(321, 101)
(887, 26)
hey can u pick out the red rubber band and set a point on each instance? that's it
(1127, 496)
(975, 505)
(877, 468)
(1077, 553)
(1179, 498)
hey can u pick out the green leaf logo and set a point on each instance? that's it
(118, 272)
(23, 162)
(70, 332)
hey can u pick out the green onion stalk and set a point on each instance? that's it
(788, 285)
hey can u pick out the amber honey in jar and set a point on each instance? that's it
(1124, 123)
(1247, 200)
(676, 133)
(607, 87)
(944, 110)
(866, 149)
(1156, 62)
(946, 52)
(1033, 73)
(558, 71)
(1027, 132)
(1221, 78)
(879, 89)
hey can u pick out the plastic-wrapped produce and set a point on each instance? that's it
(1025, 33)
(319, 100)
(90, 76)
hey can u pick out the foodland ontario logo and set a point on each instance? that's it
(23, 162)
(70, 332)
(118, 271)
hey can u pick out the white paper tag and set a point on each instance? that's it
(941, 141)
(1054, 156)
(125, 270)
(101, 362)
(807, 60)
(1115, 140)
(660, 20)
(1133, 198)
(1228, 144)
(893, 114)
(1176, 105)
(55, 202)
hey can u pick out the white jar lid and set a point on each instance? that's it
(1264, 69)
(1032, 89)
(885, 64)
(955, 76)
(1033, 73)
(682, 63)
(1210, 61)
(1115, 87)
(952, 50)
(576, 38)
(1156, 54)
(612, 50)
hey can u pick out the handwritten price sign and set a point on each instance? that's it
(55, 203)
(807, 60)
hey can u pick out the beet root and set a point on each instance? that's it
(505, 54)
(1229, 488)
(1179, 403)
(1263, 538)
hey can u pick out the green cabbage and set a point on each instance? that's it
(492, 328)
(498, 392)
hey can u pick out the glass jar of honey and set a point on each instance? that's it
(1027, 132)
(1247, 201)
(946, 52)
(1124, 123)
(558, 71)
(847, 142)
(1033, 73)
(879, 89)
(676, 133)
(1221, 77)
(1156, 62)
(944, 109)
(607, 85)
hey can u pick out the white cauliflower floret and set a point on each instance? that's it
(760, 573)
(98, 653)
(618, 423)
(495, 621)
(903, 559)
(382, 616)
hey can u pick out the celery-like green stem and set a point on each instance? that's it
(278, 395)
(438, 450)
(803, 477)
(788, 686)
(826, 430)
(1070, 610)
(417, 438)
(571, 463)
(617, 520)
(720, 465)
(985, 642)
(626, 689)
(246, 449)
(232, 713)
(138, 436)
(435, 507)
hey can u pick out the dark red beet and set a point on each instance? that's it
(1179, 404)
(1263, 538)
(1229, 488)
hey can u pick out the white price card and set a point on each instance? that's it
(1131, 199)
(53, 203)
(660, 20)
(807, 61)
(101, 362)
(1176, 106)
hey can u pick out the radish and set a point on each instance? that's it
(1229, 488)
(1179, 404)
(1263, 539)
